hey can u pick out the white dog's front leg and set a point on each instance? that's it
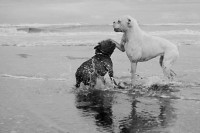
(120, 46)
(133, 72)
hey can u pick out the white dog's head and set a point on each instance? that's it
(123, 24)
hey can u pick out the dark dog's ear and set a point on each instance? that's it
(98, 46)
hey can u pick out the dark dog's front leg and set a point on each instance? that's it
(110, 73)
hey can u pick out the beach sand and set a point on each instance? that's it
(36, 94)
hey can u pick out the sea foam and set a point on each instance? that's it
(83, 34)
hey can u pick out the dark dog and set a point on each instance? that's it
(98, 65)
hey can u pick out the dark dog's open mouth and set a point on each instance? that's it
(117, 30)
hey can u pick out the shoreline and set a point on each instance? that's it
(36, 93)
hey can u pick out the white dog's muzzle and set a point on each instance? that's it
(117, 30)
(116, 27)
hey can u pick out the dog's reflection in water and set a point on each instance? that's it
(153, 118)
(117, 112)
(97, 104)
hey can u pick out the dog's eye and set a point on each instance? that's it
(119, 21)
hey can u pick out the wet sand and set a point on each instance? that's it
(37, 94)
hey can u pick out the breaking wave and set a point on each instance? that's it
(173, 24)
(82, 34)
(176, 32)
(41, 32)
(86, 29)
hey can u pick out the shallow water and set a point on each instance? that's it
(37, 94)
(36, 105)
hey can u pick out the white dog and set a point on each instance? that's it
(140, 46)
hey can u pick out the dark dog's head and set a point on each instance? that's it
(105, 47)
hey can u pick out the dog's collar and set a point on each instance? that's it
(103, 54)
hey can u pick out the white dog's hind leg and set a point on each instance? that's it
(169, 74)
(168, 61)
(166, 68)
(133, 72)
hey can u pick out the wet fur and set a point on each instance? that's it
(141, 46)
(97, 66)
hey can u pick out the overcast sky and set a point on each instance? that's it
(98, 11)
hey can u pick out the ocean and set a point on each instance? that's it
(86, 34)
(38, 63)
